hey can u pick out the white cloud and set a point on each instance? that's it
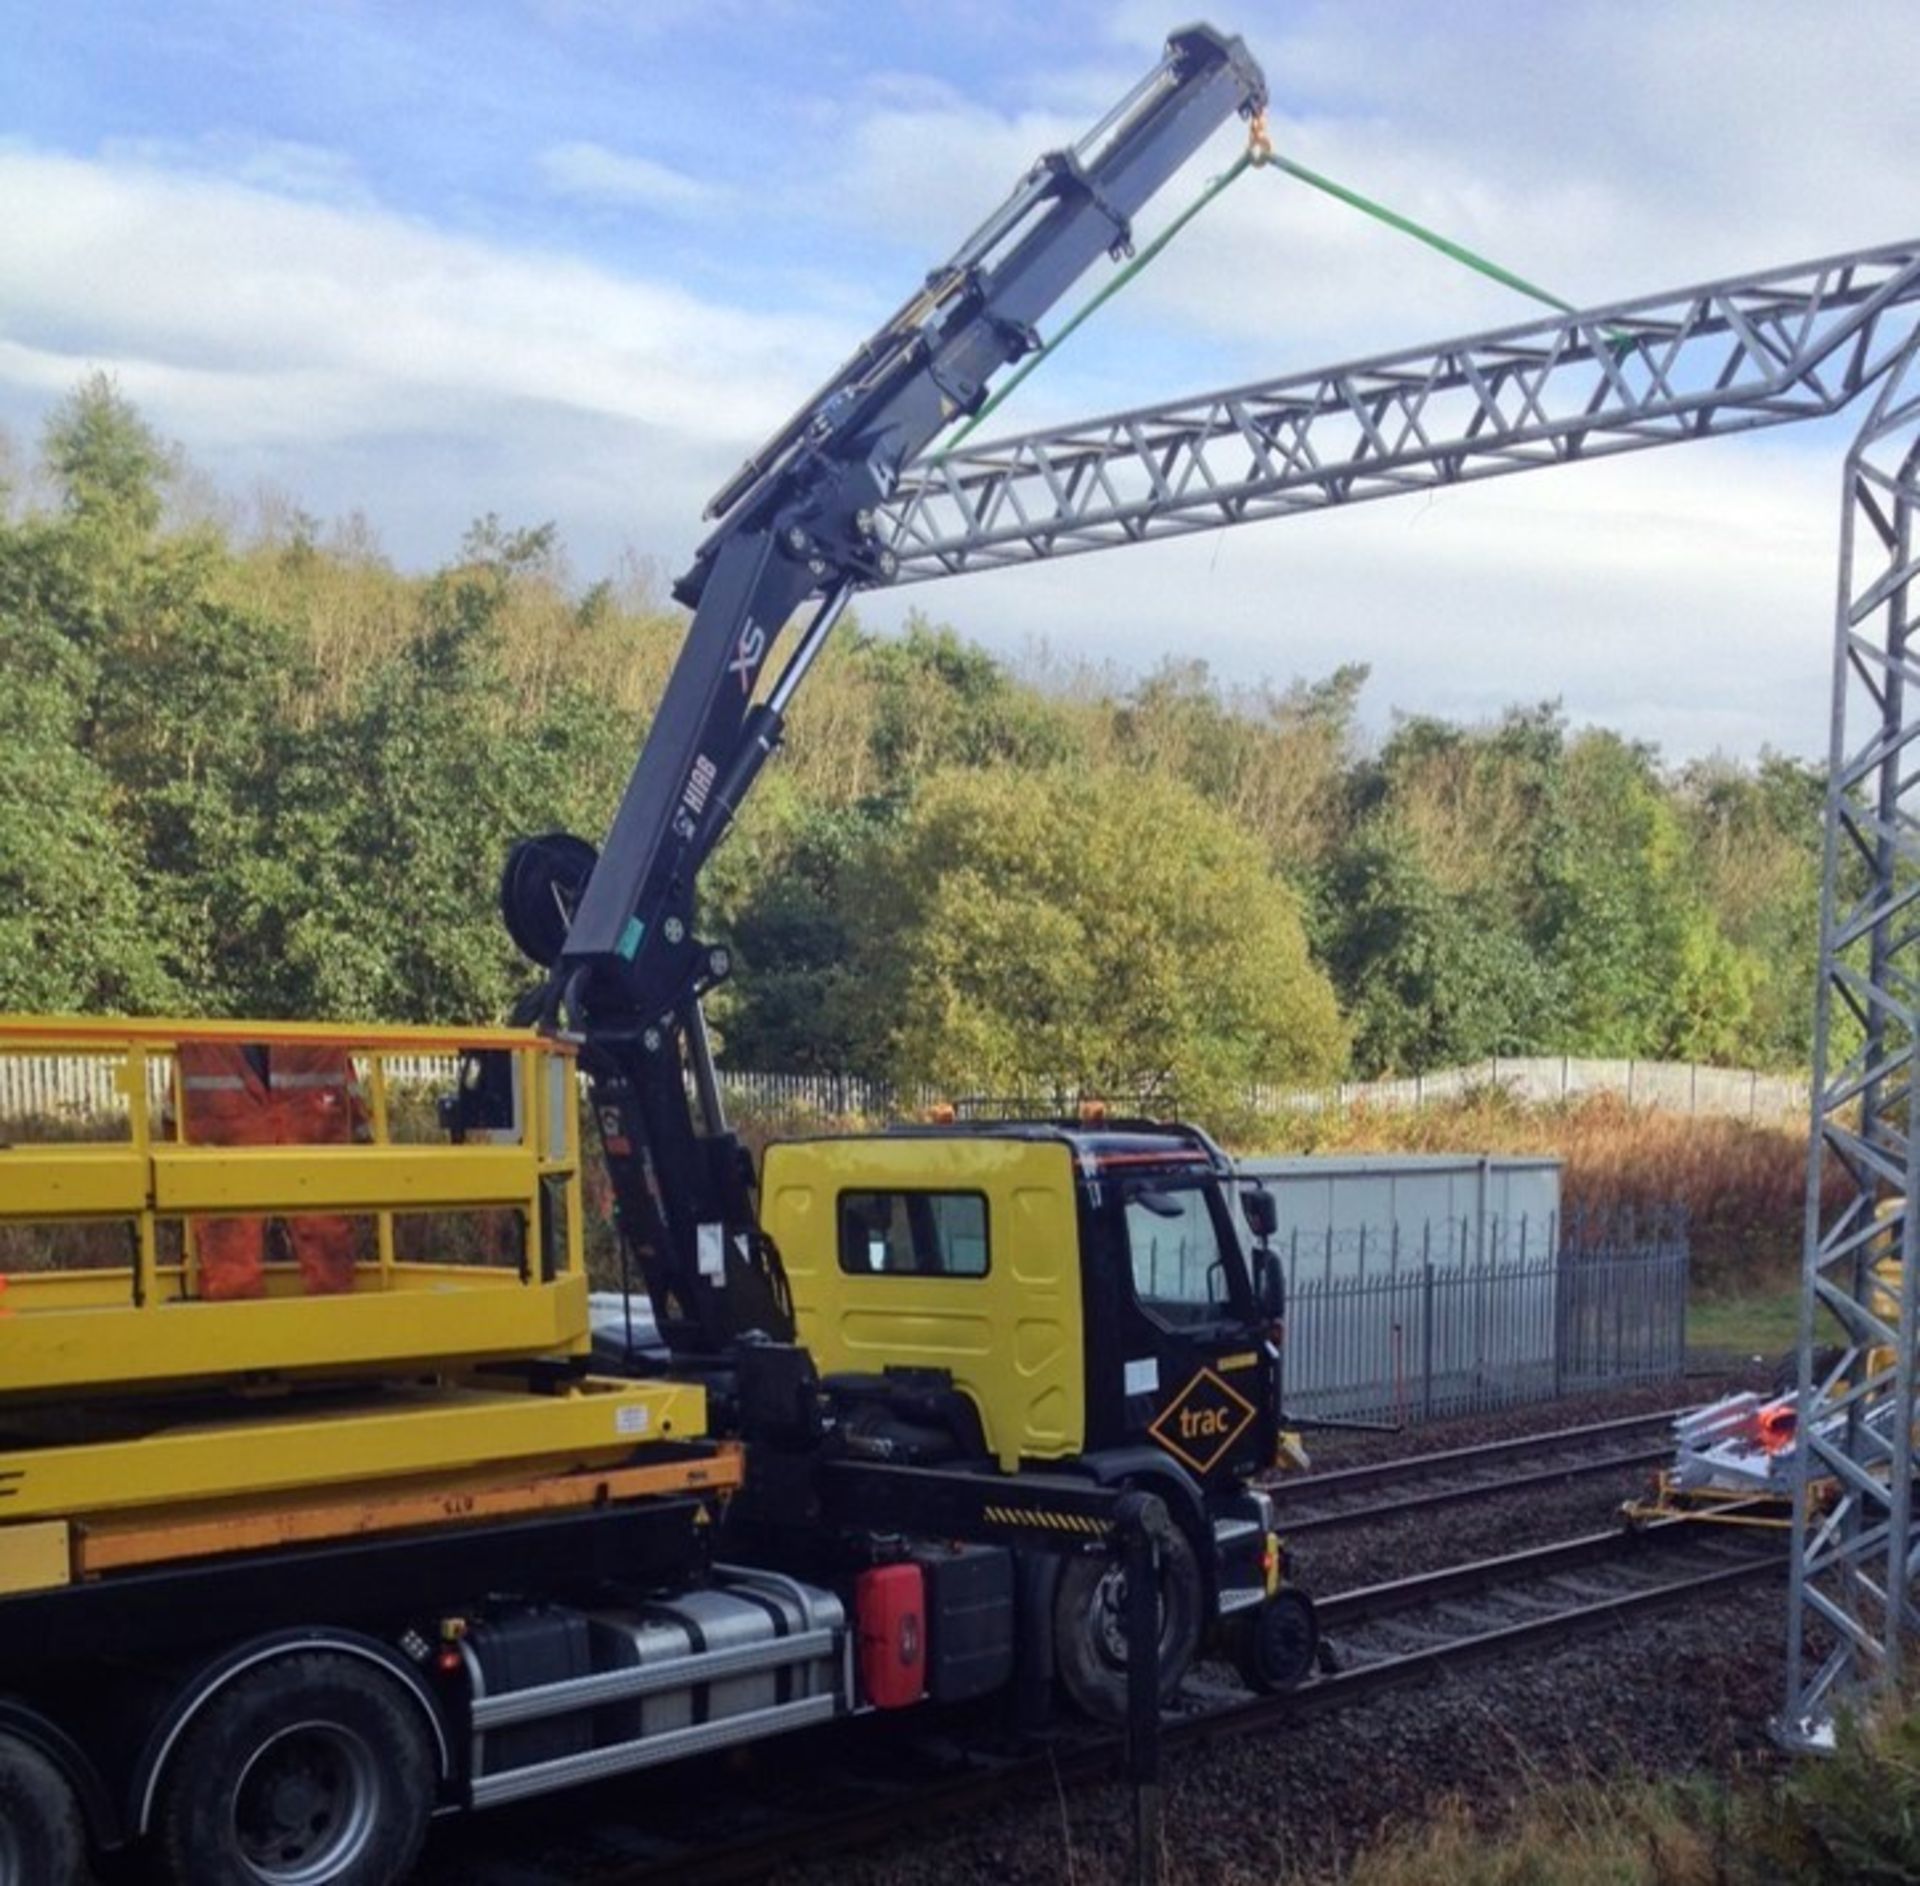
(595, 174)
(283, 166)
(277, 336)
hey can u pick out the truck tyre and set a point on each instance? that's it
(42, 1842)
(311, 1769)
(1090, 1627)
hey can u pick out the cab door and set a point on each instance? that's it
(956, 1255)
(1196, 1375)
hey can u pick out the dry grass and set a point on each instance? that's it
(1583, 1835)
(1742, 1184)
(1849, 1819)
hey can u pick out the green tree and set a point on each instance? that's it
(375, 893)
(781, 893)
(1089, 928)
(74, 920)
(109, 465)
(938, 701)
(1430, 977)
(1641, 966)
(1756, 842)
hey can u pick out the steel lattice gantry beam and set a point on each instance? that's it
(1855, 1558)
(1762, 350)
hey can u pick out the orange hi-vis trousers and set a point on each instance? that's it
(306, 1098)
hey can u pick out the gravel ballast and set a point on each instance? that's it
(1684, 1692)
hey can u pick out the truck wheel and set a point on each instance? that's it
(311, 1769)
(1276, 1646)
(1090, 1627)
(42, 1842)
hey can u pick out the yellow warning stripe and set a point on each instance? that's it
(1059, 1522)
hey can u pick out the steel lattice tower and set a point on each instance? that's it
(1854, 1559)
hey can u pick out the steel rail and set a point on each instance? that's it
(1310, 1490)
(1096, 1758)
(1379, 1510)
(1407, 1466)
(1361, 1602)
(1367, 1679)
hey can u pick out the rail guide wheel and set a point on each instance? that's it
(1276, 1646)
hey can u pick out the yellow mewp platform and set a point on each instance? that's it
(142, 1322)
(315, 1442)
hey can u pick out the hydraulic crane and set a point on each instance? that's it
(798, 527)
(1751, 352)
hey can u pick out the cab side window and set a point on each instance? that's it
(1174, 1247)
(913, 1234)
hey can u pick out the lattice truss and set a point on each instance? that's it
(1759, 351)
(1855, 1559)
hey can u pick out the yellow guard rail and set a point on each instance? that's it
(142, 1322)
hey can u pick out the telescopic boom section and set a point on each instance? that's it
(798, 524)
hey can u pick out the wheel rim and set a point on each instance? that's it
(1110, 1616)
(307, 1805)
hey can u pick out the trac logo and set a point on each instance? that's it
(1201, 1422)
(748, 653)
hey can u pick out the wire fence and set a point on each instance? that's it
(1688, 1087)
(48, 1085)
(1428, 1328)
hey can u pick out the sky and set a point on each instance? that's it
(571, 260)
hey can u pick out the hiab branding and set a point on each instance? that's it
(1201, 1422)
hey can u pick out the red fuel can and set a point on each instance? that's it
(890, 1612)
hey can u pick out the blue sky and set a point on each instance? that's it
(570, 259)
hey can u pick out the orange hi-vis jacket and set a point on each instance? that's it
(307, 1097)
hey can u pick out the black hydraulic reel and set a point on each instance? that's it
(540, 889)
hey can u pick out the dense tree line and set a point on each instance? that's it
(254, 769)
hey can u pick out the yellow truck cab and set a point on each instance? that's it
(1045, 1295)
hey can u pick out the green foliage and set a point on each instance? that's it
(278, 776)
(781, 892)
(1084, 929)
(389, 821)
(939, 701)
(110, 467)
(1432, 977)
(1854, 1820)
(75, 933)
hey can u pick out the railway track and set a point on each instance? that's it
(875, 1780)
(1388, 1489)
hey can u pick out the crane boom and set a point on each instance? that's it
(1757, 350)
(797, 525)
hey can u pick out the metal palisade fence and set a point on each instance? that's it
(55, 1085)
(1425, 1327)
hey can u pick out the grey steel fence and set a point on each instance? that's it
(1426, 1328)
(55, 1085)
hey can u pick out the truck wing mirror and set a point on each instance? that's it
(1262, 1211)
